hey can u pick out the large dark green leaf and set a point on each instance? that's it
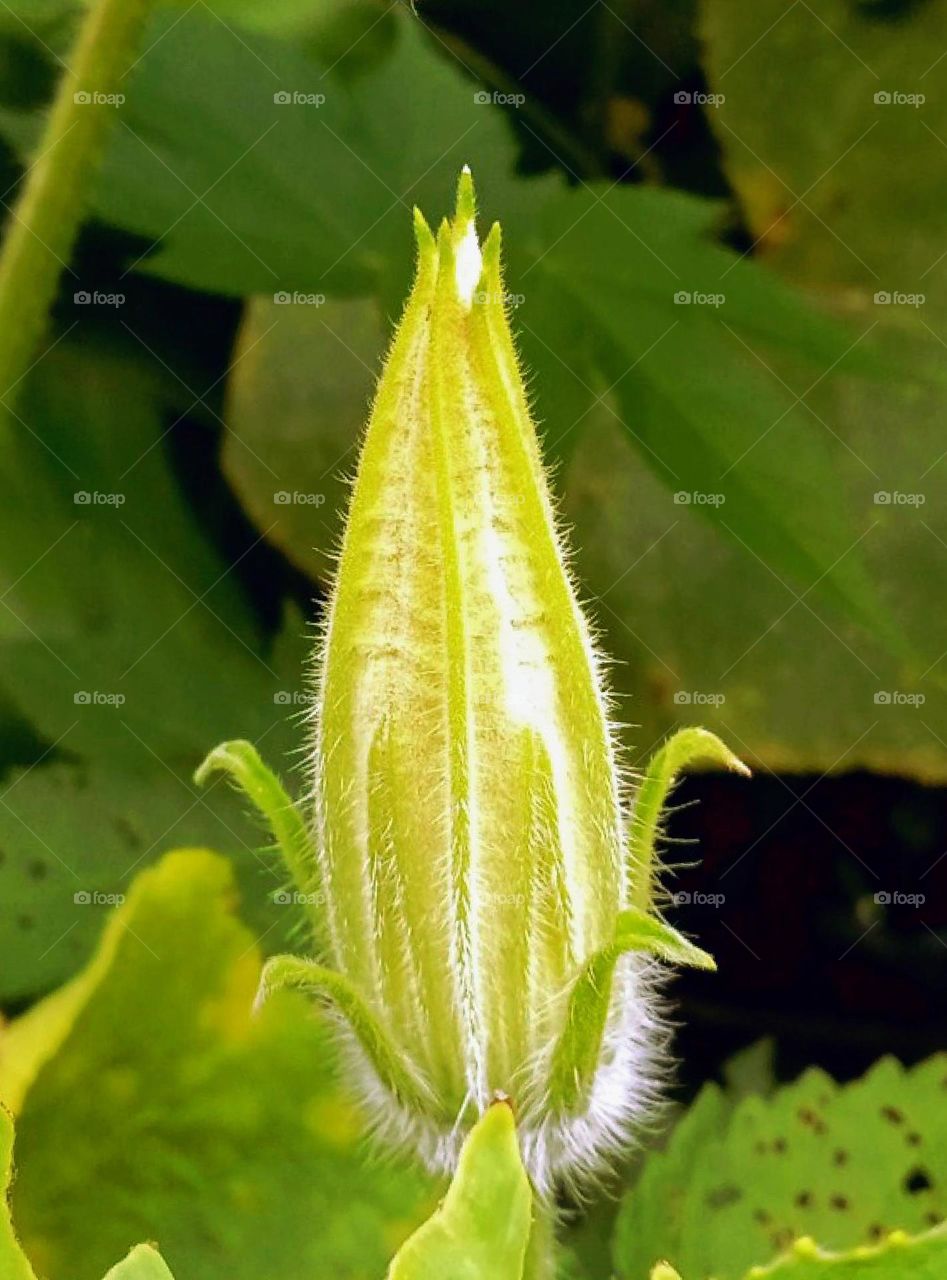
(127, 642)
(245, 204)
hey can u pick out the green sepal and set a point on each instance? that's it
(294, 973)
(683, 749)
(577, 1053)
(481, 1230)
(240, 761)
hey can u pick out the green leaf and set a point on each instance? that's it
(900, 1257)
(268, 217)
(707, 631)
(129, 587)
(481, 1230)
(74, 835)
(350, 29)
(102, 600)
(13, 1261)
(682, 381)
(843, 1164)
(810, 182)
(873, 187)
(693, 398)
(142, 1263)
(751, 1070)
(297, 399)
(157, 1108)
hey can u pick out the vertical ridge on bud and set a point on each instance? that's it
(448, 407)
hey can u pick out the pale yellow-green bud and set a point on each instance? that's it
(487, 904)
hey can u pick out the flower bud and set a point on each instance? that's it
(487, 925)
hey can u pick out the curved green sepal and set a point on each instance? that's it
(241, 763)
(481, 1230)
(685, 748)
(143, 1263)
(577, 1053)
(293, 973)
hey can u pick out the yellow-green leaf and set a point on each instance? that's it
(13, 1261)
(154, 1106)
(142, 1263)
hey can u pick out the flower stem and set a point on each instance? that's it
(45, 220)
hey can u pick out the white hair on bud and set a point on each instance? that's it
(568, 1150)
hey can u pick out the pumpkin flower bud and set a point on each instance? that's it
(488, 925)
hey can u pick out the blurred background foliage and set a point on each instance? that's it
(705, 207)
